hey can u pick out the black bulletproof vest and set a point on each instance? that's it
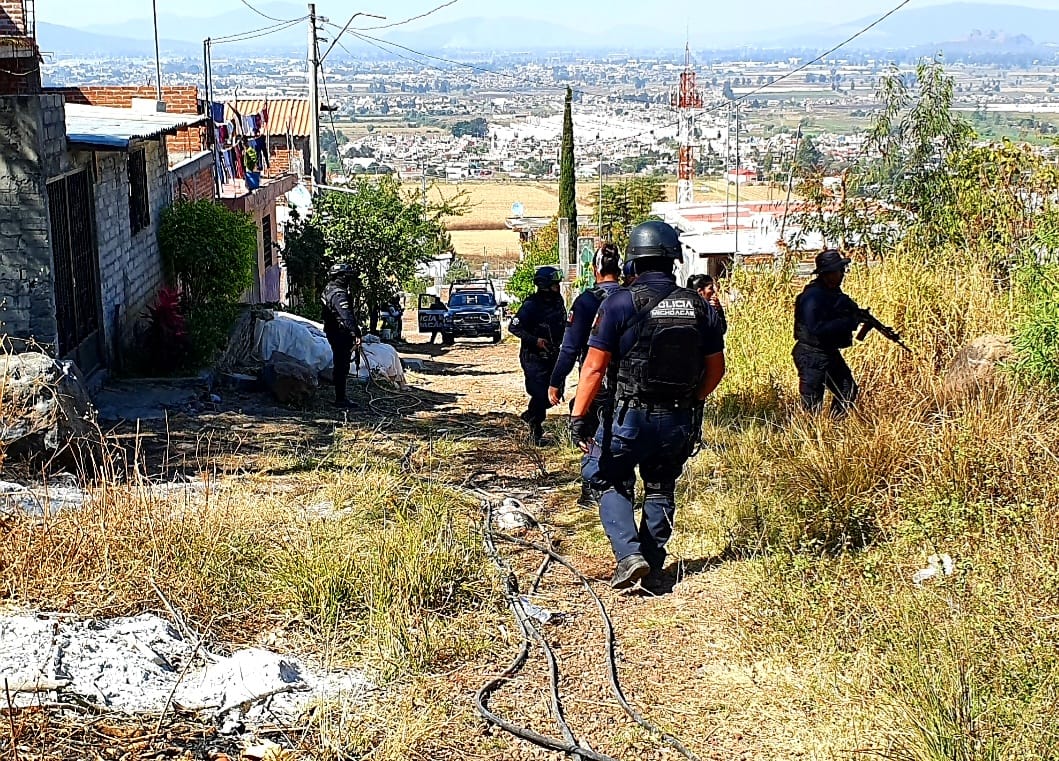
(665, 362)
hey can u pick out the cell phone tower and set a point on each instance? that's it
(687, 101)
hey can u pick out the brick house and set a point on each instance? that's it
(82, 189)
(289, 123)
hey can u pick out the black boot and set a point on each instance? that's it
(588, 499)
(629, 570)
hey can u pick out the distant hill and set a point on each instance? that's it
(196, 29)
(977, 24)
(959, 26)
(64, 40)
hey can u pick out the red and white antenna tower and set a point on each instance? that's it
(687, 101)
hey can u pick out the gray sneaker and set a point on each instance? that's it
(630, 569)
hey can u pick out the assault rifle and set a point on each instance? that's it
(870, 322)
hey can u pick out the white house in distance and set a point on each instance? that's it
(741, 176)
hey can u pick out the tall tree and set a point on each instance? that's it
(567, 189)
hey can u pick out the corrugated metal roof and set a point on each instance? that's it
(285, 115)
(104, 127)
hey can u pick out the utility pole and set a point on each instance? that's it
(157, 55)
(790, 182)
(599, 205)
(727, 161)
(315, 164)
(738, 177)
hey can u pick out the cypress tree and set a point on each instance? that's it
(567, 190)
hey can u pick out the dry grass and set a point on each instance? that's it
(388, 556)
(491, 200)
(498, 247)
(834, 518)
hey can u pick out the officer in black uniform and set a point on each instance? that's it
(607, 266)
(665, 355)
(341, 326)
(825, 319)
(540, 324)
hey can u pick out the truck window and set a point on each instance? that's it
(471, 300)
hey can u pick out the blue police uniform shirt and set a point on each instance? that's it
(543, 315)
(575, 342)
(610, 332)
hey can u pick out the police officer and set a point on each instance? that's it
(607, 267)
(665, 356)
(540, 324)
(824, 321)
(341, 326)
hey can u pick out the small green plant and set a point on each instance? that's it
(209, 255)
(1037, 330)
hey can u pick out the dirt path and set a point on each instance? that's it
(673, 646)
(678, 659)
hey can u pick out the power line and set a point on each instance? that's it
(823, 55)
(331, 114)
(265, 15)
(262, 32)
(410, 18)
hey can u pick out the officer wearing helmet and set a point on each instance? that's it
(341, 325)
(825, 319)
(664, 355)
(540, 324)
(607, 269)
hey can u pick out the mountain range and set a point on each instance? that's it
(950, 27)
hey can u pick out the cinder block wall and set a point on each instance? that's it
(27, 292)
(130, 266)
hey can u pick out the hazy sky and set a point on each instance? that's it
(719, 16)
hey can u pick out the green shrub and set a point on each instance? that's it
(1037, 329)
(209, 254)
(520, 285)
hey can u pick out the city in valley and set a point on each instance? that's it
(489, 123)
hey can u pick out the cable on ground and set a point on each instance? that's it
(511, 593)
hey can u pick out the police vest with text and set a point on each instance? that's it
(665, 364)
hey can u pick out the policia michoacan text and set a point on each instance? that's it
(651, 352)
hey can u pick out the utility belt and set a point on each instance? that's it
(653, 405)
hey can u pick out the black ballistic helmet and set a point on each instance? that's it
(340, 270)
(830, 261)
(654, 239)
(546, 276)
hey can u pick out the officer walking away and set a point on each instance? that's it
(669, 356)
(607, 266)
(706, 287)
(824, 321)
(341, 326)
(540, 324)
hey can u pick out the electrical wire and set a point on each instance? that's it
(819, 58)
(265, 15)
(255, 33)
(511, 589)
(331, 114)
(530, 633)
(410, 19)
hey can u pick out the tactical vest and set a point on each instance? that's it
(665, 363)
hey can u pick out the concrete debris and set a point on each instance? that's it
(40, 500)
(137, 665)
(45, 411)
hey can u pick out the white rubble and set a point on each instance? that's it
(139, 664)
